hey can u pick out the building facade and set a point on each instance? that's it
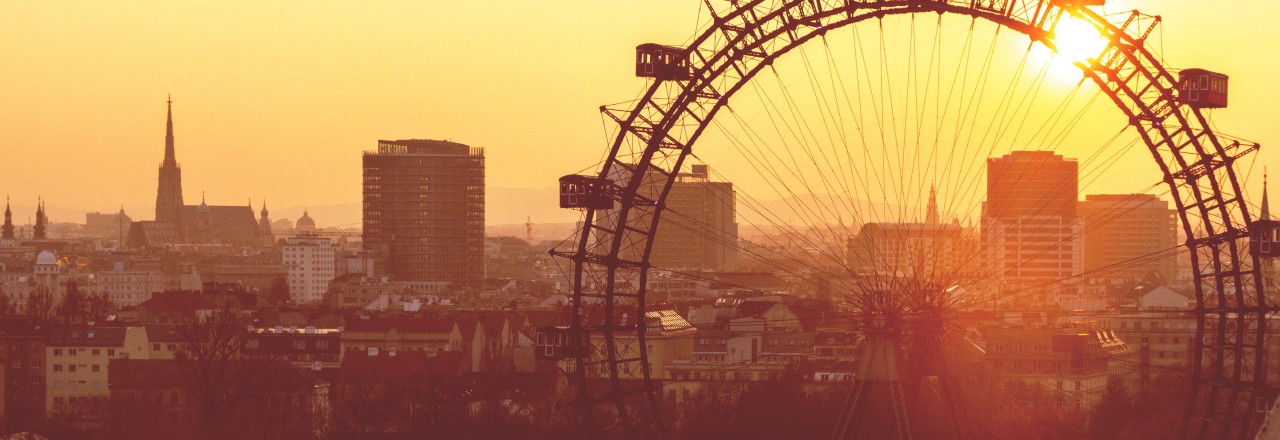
(1138, 230)
(699, 229)
(424, 213)
(310, 259)
(1031, 232)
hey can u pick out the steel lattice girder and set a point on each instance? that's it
(655, 139)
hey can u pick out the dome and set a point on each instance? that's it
(203, 207)
(47, 257)
(306, 223)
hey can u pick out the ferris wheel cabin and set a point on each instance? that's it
(1264, 238)
(662, 62)
(583, 192)
(1201, 88)
(556, 343)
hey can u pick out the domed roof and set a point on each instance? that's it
(47, 257)
(305, 223)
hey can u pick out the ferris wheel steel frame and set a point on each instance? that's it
(611, 261)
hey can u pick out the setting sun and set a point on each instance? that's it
(1078, 40)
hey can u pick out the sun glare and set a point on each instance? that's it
(1078, 40)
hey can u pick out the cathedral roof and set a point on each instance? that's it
(224, 217)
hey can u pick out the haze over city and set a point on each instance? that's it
(669, 219)
(276, 100)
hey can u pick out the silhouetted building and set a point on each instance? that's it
(926, 251)
(1128, 235)
(1031, 232)
(699, 231)
(7, 239)
(101, 225)
(177, 223)
(424, 212)
(264, 227)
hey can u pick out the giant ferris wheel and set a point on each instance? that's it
(887, 104)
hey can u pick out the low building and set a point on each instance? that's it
(1076, 363)
(371, 335)
(155, 399)
(22, 343)
(77, 369)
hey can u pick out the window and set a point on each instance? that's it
(58, 400)
(57, 385)
(111, 352)
(171, 347)
(36, 364)
(97, 352)
(57, 352)
(322, 345)
(95, 383)
(155, 347)
(300, 344)
(57, 367)
(17, 364)
(96, 368)
(71, 384)
(71, 368)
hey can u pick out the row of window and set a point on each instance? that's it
(96, 352)
(73, 384)
(71, 368)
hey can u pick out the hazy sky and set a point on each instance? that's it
(276, 99)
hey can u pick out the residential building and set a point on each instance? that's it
(1165, 341)
(372, 335)
(155, 399)
(22, 345)
(310, 259)
(76, 371)
(424, 213)
(311, 347)
(1128, 236)
(1069, 361)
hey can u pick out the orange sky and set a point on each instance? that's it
(276, 99)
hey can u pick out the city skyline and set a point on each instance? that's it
(249, 120)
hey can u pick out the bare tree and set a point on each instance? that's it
(221, 376)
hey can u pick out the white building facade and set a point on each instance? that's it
(311, 261)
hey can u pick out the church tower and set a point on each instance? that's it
(7, 239)
(264, 226)
(931, 216)
(169, 194)
(40, 222)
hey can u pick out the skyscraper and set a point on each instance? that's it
(424, 213)
(1031, 232)
(1128, 235)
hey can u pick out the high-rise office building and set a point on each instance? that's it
(1031, 232)
(424, 213)
(699, 231)
(1128, 235)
